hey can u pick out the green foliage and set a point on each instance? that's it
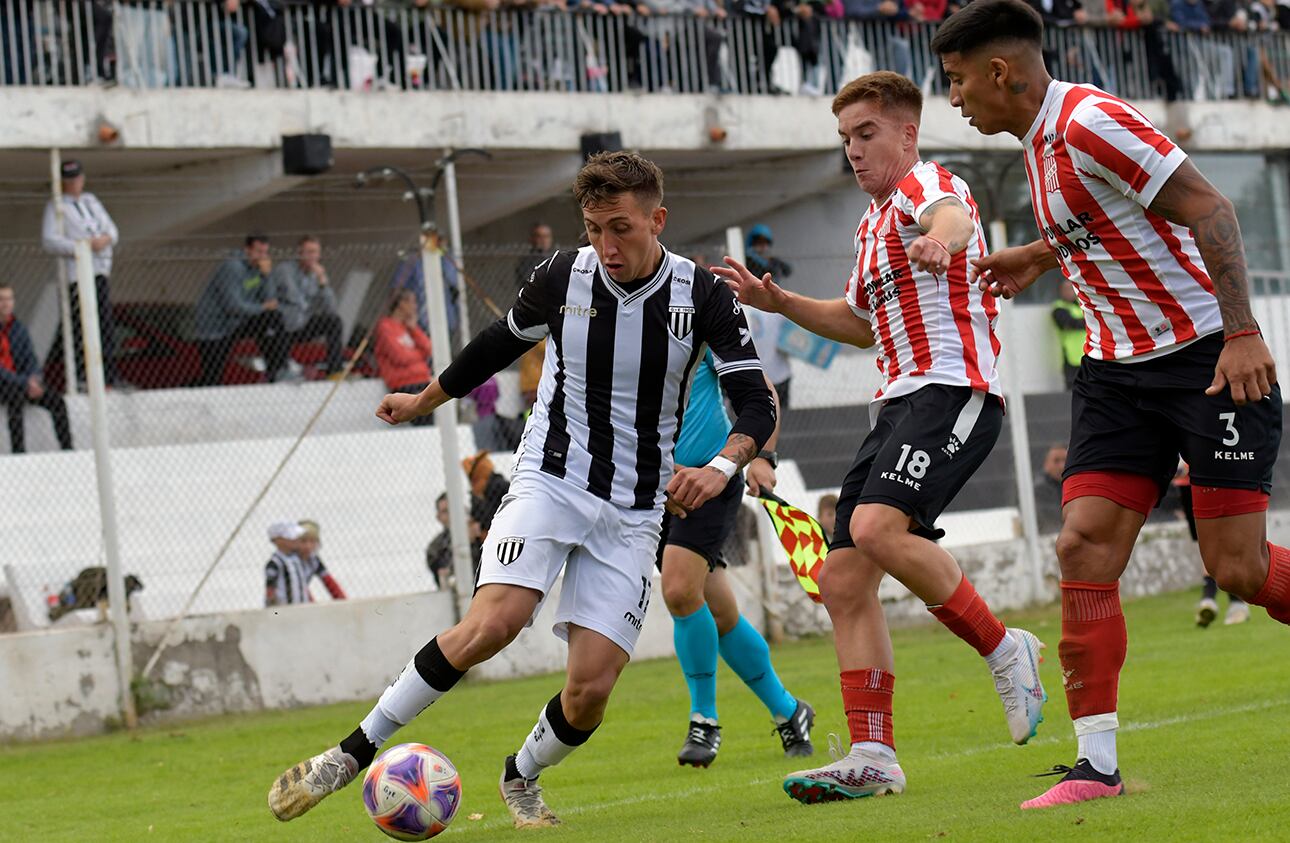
(1203, 749)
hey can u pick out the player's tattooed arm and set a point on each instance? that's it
(1245, 365)
(948, 229)
(1189, 200)
(948, 221)
(740, 449)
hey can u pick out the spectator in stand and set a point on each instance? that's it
(1149, 17)
(766, 327)
(84, 218)
(639, 50)
(487, 486)
(409, 276)
(293, 566)
(541, 247)
(1189, 15)
(806, 38)
(926, 11)
(238, 303)
(1048, 489)
(439, 551)
(403, 349)
(310, 541)
(826, 513)
(1068, 316)
(213, 45)
(306, 300)
(707, 54)
(20, 382)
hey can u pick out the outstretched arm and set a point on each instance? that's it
(1188, 199)
(831, 318)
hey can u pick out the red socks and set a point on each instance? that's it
(967, 616)
(1275, 594)
(1093, 646)
(866, 698)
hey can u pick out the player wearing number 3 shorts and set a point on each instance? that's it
(935, 419)
(1173, 362)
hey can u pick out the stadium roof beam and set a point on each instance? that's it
(212, 190)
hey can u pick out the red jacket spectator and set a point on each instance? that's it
(926, 11)
(402, 348)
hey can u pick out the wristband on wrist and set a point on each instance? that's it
(723, 465)
(1248, 332)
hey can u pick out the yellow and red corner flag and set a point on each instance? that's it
(802, 538)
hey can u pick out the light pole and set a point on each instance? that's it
(445, 416)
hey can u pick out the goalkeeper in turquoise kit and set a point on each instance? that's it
(705, 615)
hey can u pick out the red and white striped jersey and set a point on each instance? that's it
(1095, 164)
(928, 328)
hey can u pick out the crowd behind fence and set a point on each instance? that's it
(189, 462)
(1210, 49)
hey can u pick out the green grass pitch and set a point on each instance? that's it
(1204, 752)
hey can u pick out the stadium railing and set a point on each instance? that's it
(161, 44)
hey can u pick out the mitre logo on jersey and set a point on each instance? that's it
(577, 310)
(509, 549)
(679, 321)
(1050, 169)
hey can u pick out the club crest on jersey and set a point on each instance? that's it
(679, 321)
(509, 549)
(1050, 169)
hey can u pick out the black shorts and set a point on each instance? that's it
(921, 451)
(1139, 417)
(705, 530)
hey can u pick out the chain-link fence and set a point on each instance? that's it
(192, 452)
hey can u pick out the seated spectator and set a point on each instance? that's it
(439, 551)
(409, 276)
(238, 303)
(826, 512)
(403, 349)
(541, 245)
(89, 590)
(306, 301)
(293, 566)
(1048, 489)
(766, 327)
(487, 486)
(310, 541)
(20, 381)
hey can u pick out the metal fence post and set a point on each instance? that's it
(93, 349)
(445, 420)
(1014, 391)
(454, 244)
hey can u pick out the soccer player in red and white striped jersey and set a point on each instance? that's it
(935, 419)
(1174, 362)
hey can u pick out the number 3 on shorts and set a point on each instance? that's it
(918, 461)
(1232, 436)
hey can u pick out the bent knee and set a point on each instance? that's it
(1239, 574)
(847, 583)
(682, 598)
(1085, 555)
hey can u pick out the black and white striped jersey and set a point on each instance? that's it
(617, 367)
(289, 576)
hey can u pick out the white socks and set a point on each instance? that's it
(875, 748)
(407, 696)
(550, 742)
(1003, 652)
(1096, 736)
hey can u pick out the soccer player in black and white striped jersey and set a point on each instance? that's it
(627, 321)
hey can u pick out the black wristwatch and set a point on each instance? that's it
(770, 457)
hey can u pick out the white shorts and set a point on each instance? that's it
(607, 553)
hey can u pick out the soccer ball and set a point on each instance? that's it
(412, 792)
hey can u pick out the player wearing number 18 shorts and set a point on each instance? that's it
(1174, 362)
(936, 418)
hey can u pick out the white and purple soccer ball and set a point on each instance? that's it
(412, 792)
